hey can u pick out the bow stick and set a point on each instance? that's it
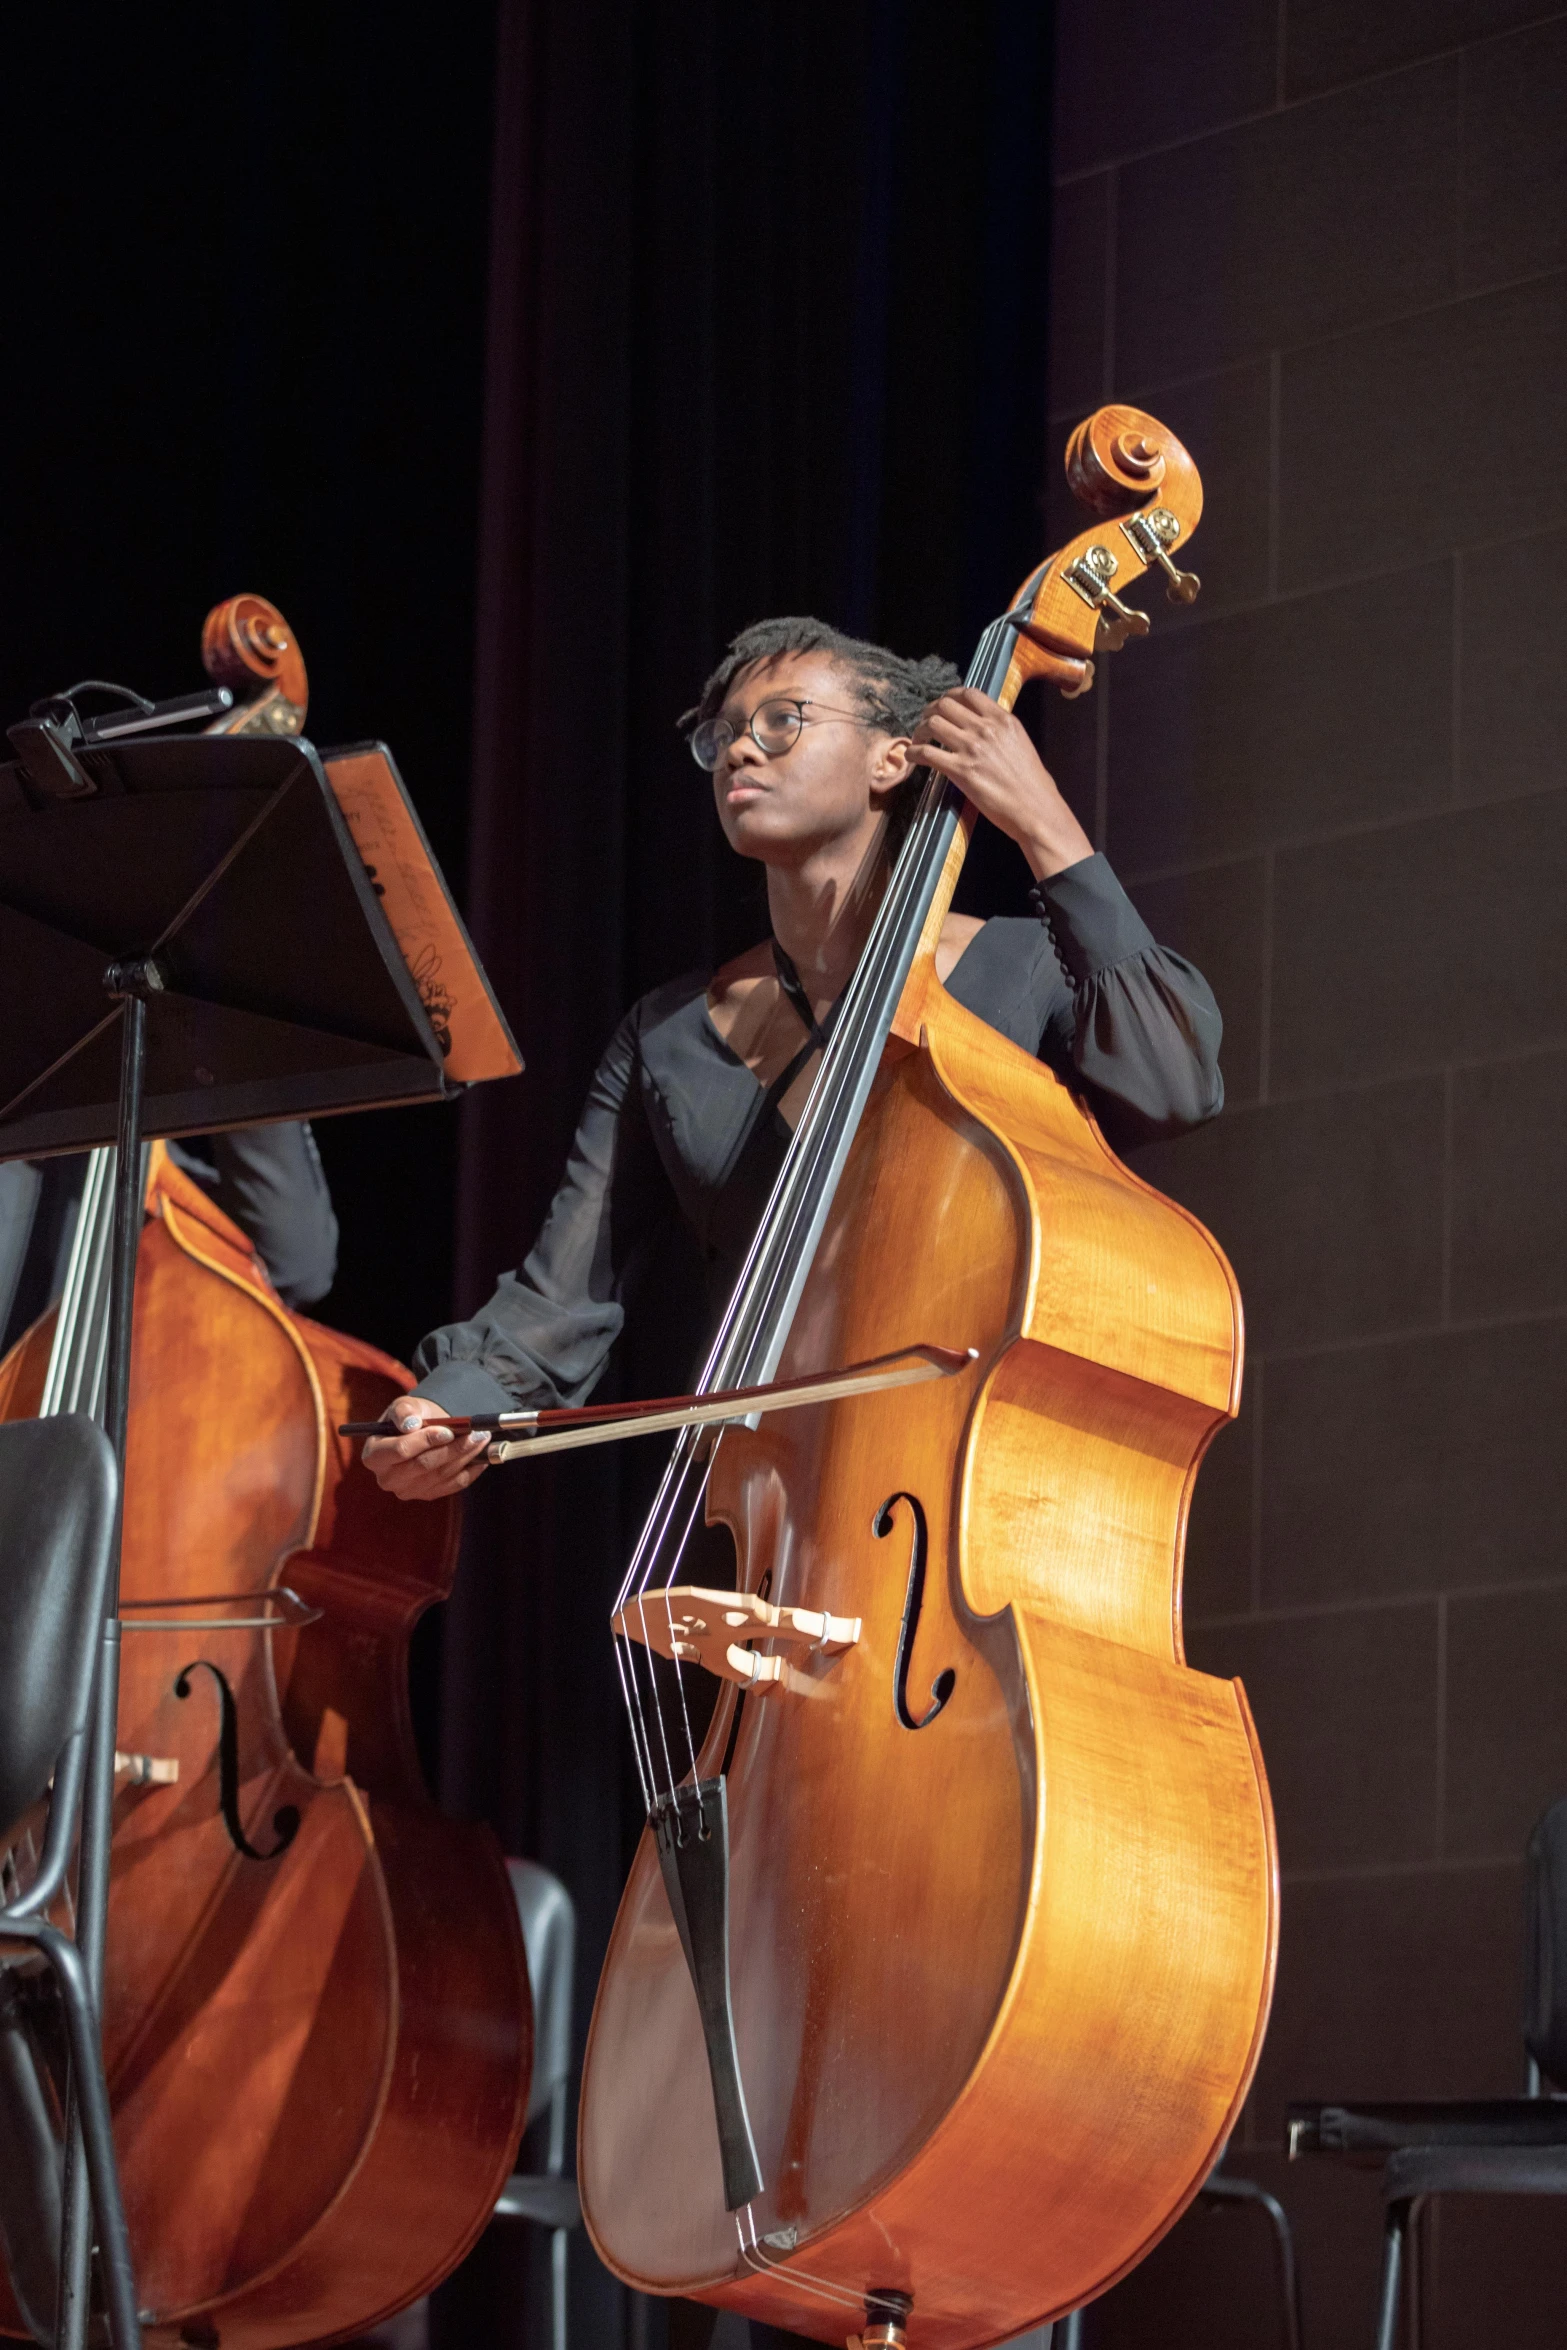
(517, 1433)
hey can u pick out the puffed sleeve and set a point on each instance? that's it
(544, 1337)
(1138, 1025)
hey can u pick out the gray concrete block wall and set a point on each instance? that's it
(1328, 245)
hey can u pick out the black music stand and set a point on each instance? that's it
(192, 942)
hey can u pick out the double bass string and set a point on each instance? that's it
(752, 1291)
(758, 1314)
(77, 1359)
(761, 1306)
(631, 1689)
(804, 2280)
(632, 1701)
(733, 1359)
(626, 1662)
(767, 1291)
(680, 1678)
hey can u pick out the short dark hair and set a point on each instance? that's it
(893, 693)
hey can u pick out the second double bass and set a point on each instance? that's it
(316, 2013)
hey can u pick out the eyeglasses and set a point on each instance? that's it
(774, 726)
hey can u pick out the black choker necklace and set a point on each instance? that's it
(819, 1031)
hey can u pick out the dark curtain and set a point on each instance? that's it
(242, 271)
(767, 316)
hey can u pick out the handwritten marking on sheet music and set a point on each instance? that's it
(467, 1026)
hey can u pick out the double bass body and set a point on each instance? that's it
(1003, 1881)
(316, 2016)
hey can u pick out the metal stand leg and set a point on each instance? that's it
(555, 2164)
(131, 983)
(73, 2294)
(92, 1902)
(92, 2105)
(1414, 2288)
(558, 2289)
(1392, 2270)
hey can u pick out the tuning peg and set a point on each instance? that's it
(1152, 535)
(1128, 622)
(1184, 586)
(1090, 576)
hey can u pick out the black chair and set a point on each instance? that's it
(1219, 2190)
(59, 1490)
(1466, 2146)
(1224, 2188)
(548, 2197)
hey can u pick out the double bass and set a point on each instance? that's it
(972, 1878)
(317, 2024)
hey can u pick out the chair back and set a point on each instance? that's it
(549, 1931)
(59, 1486)
(1545, 1945)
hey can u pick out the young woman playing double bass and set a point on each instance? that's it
(813, 740)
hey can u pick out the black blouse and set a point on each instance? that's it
(675, 1118)
(268, 1178)
(271, 1181)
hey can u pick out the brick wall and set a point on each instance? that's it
(1325, 242)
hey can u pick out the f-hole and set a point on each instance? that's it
(945, 1682)
(285, 1821)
